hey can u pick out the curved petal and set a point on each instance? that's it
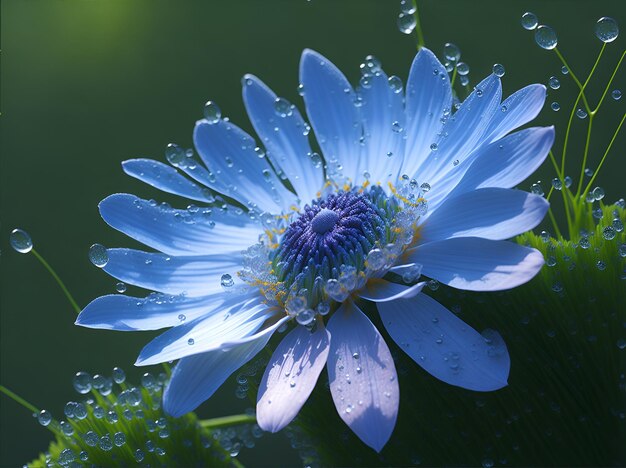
(383, 127)
(445, 346)
(126, 313)
(507, 162)
(285, 137)
(165, 178)
(362, 376)
(463, 131)
(516, 110)
(290, 376)
(193, 276)
(237, 317)
(178, 232)
(476, 264)
(329, 100)
(428, 98)
(236, 169)
(492, 213)
(380, 290)
(196, 378)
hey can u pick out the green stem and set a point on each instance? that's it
(554, 224)
(454, 73)
(226, 421)
(605, 154)
(575, 78)
(57, 279)
(418, 27)
(606, 90)
(15, 397)
(585, 154)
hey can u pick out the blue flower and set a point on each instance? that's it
(411, 183)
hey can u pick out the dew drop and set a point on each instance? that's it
(190, 341)
(555, 106)
(606, 29)
(301, 89)
(406, 23)
(182, 317)
(434, 147)
(407, 6)
(44, 417)
(554, 82)
(545, 37)
(580, 113)
(598, 193)
(174, 154)
(395, 83)
(529, 21)
(20, 241)
(212, 112)
(119, 376)
(564, 70)
(462, 68)
(82, 382)
(119, 439)
(557, 184)
(98, 255)
(282, 107)
(396, 127)
(616, 94)
(609, 233)
(498, 70)
(451, 52)
(227, 281)
(120, 287)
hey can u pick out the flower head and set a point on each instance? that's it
(410, 184)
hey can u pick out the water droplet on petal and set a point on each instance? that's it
(498, 70)
(212, 112)
(174, 154)
(227, 281)
(282, 107)
(20, 241)
(395, 83)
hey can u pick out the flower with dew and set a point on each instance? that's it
(411, 183)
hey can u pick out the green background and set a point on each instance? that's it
(86, 84)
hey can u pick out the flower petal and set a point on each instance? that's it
(492, 213)
(383, 127)
(463, 131)
(290, 376)
(193, 276)
(127, 313)
(165, 178)
(237, 171)
(284, 137)
(196, 378)
(519, 108)
(329, 100)
(178, 232)
(239, 316)
(380, 290)
(507, 162)
(362, 375)
(445, 346)
(477, 264)
(428, 96)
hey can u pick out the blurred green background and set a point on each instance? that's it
(86, 84)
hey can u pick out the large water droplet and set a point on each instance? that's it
(529, 21)
(607, 29)
(82, 382)
(545, 37)
(174, 154)
(212, 112)
(498, 70)
(555, 106)
(451, 52)
(20, 241)
(406, 23)
(98, 255)
(44, 417)
(554, 82)
(462, 68)
(119, 376)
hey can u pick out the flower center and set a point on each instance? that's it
(332, 247)
(324, 221)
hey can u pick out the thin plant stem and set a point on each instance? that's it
(593, 178)
(18, 399)
(57, 279)
(226, 421)
(606, 90)
(418, 27)
(585, 155)
(575, 78)
(555, 164)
